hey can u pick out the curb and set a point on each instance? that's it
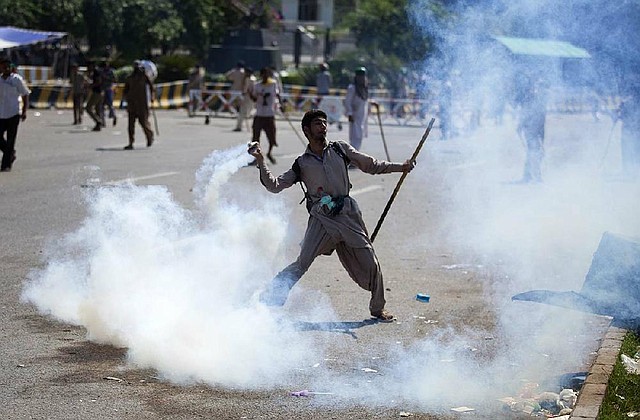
(592, 393)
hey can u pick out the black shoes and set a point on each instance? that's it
(98, 127)
(8, 168)
(129, 147)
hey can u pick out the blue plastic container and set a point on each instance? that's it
(422, 297)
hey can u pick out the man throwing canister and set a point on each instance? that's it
(335, 221)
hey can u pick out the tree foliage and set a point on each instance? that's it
(133, 27)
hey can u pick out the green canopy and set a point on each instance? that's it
(542, 47)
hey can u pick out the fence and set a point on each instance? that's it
(220, 101)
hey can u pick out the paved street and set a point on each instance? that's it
(144, 264)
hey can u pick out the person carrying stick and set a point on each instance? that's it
(335, 221)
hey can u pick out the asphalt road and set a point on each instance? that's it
(468, 346)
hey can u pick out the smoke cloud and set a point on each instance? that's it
(177, 290)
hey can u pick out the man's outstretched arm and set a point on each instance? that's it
(271, 183)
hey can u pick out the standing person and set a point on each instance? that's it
(135, 92)
(323, 85)
(246, 103)
(444, 110)
(266, 96)
(78, 90)
(335, 221)
(323, 81)
(12, 88)
(531, 127)
(94, 103)
(236, 76)
(196, 84)
(108, 82)
(630, 135)
(356, 107)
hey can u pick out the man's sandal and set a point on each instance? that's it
(384, 316)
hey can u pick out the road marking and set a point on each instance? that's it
(140, 178)
(366, 189)
(467, 165)
(288, 156)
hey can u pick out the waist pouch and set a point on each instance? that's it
(334, 206)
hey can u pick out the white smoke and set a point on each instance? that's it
(178, 291)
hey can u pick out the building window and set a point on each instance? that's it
(308, 10)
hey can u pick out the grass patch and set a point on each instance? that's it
(623, 390)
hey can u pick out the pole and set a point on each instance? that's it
(155, 119)
(304, 143)
(384, 142)
(606, 149)
(401, 180)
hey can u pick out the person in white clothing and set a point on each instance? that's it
(12, 88)
(246, 103)
(356, 107)
(266, 95)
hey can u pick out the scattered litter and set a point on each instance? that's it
(60, 112)
(472, 349)
(547, 404)
(456, 266)
(20, 366)
(447, 360)
(423, 297)
(36, 114)
(633, 414)
(307, 393)
(112, 378)
(369, 370)
(406, 414)
(463, 409)
(316, 365)
(568, 397)
(631, 365)
(564, 417)
(430, 321)
(420, 317)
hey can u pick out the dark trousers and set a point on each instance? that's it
(10, 126)
(266, 124)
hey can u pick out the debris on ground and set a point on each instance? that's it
(112, 378)
(632, 365)
(406, 414)
(422, 297)
(463, 409)
(307, 393)
(547, 404)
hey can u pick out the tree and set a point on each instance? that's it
(388, 39)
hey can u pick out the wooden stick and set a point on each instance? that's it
(401, 180)
(384, 142)
(304, 143)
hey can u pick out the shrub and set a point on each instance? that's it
(174, 67)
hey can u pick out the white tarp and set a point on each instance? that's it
(11, 37)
